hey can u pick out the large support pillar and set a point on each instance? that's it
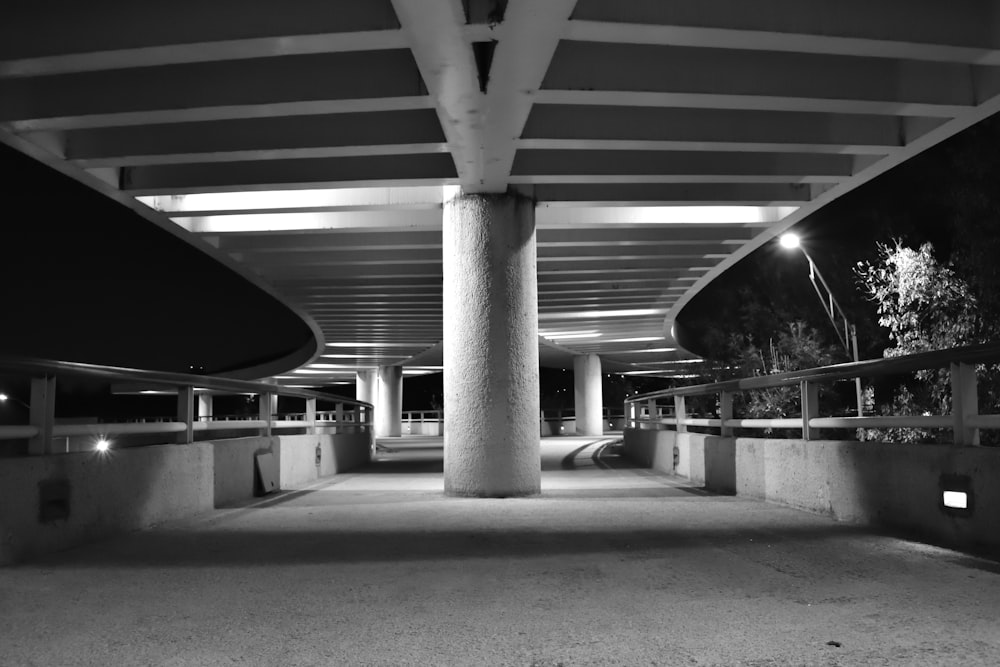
(587, 394)
(367, 380)
(491, 403)
(365, 390)
(389, 407)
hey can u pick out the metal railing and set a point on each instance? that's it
(194, 405)
(645, 410)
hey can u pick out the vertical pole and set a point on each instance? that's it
(341, 420)
(311, 416)
(809, 392)
(185, 414)
(389, 410)
(588, 398)
(680, 413)
(857, 380)
(267, 412)
(42, 413)
(726, 413)
(651, 412)
(964, 403)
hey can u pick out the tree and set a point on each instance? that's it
(925, 306)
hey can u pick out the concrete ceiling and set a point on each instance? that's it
(311, 144)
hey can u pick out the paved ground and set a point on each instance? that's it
(609, 566)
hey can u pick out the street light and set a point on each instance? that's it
(5, 397)
(846, 331)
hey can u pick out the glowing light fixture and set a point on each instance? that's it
(102, 445)
(789, 241)
(956, 500)
(598, 314)
(554, 336)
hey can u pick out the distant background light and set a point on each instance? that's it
(789, 240)
(102, 445)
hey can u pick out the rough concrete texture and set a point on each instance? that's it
(893, 485)
(107, 493)
(389, 410)
(490, 346)
(611, 566)
(588, 395)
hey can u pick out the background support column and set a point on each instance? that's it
(389, 408)
(588, 395)
(491, 401)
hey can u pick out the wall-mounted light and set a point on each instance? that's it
(956, 495)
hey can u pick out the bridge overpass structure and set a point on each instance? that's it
(481, 185)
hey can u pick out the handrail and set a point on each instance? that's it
(985, 352)
(36, 366)
(43, 428)
(965, 420)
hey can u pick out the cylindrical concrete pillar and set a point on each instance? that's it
(491, 402)
(587, 394)
(364, 389)
(389, 408)
(366, 382)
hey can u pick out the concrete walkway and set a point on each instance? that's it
(610, 566)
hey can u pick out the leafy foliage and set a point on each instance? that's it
(925, 306)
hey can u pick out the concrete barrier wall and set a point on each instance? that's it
(107, 494)
(890, 485)
(134, 488)
(337, 454)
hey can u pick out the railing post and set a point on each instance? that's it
(964, 403)
(809, 392)
(267, 404)
(338, 413)
(42, 413)
(311, 416)
(680, 413)
(725, 413)
(185, 414)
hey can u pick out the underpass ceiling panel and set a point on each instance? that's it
(620, 67)
(85, 27)
(927, 21)
(637, 194)
(426, 168)
(256, 138)
(346, 76)
(703, 129)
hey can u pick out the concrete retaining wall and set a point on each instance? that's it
(133, 488)
(890, 485)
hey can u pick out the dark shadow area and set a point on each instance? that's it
(401, 466)
(215, 548)
(90, 280)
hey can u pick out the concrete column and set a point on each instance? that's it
(366, 382)
(205, 407)
(185, 414)
(389, 409)
(42, 414)
(491, 402)
(588, 395)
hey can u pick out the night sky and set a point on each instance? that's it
(82, 278)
